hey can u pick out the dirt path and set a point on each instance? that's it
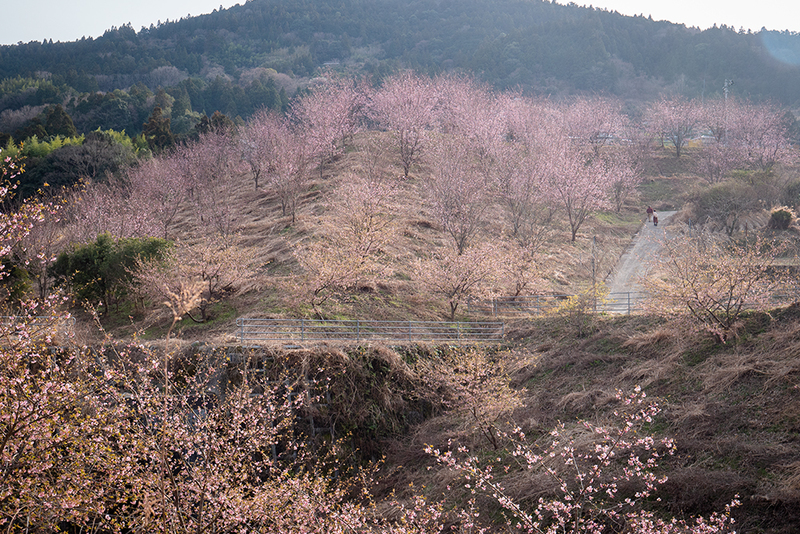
(623, 283)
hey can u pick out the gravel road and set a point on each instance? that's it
(634, 263)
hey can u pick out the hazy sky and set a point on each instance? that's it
(747, 14)
(69, 20)
(60, 20)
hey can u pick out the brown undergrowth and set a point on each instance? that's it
(273, 242)
(733, 408)
(734, 411)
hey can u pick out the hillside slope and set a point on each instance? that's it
(540, 46)
(733, 411)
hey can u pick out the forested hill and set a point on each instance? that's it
(535, 45)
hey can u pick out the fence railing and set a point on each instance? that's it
(612, 303)
(617, 303)
(35, 327)
(254, 331)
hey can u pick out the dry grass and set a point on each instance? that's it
(790, 481)
(735, 409)
(270, 239)
(649, 340)
(728, 407)
(585, 401)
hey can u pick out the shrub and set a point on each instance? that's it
(724, 205)
(780, 219)
(101, 271)
(715, 280)
(602, 476)
(580, 311)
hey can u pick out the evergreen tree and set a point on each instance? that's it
(33, 128)
(157, 131)
(58, 122)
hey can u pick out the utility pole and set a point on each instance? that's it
(725, 90)
(594, 274)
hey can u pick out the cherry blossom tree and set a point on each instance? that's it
(720, 153)
(258, 143)
(59, 465)
(577, 182)
(528, 120)
(37, 249)
(457, 191)
(478, 390)
(588, 493)
(160, 187)
(715, 280)
(199, 446)
(457, 275)
(364, 211)
(624, 177)
(372, 159)
(522, 270)
(519, 185)
(745, 135)
(330, 114)
(216, 267)
(290, 169)
(675, 120)
(638, 145)
(761, 133)
(17, 221)
(716, 160)
(476, 116)
(593, 122)
(130, 438)
(565, 164)
(756, 134)
(111, 208)
(49, 451)
(716, 117)
(523, 167)
(282, 152)
(359, 223)
(406, 105)
(328, 271)
(212, 163)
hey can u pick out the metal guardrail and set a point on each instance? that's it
(617, 303)
(622, 303)
(612, 303)
(254, 331)
(36, 326)
(36, 319)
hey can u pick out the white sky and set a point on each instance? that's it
(747, 14)
(69, 20)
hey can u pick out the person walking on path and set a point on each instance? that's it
(649, 214)
(655, 219)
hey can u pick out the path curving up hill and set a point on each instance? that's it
(636, 261)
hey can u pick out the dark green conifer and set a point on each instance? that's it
(157, 131)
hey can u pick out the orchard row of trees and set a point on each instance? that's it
(124, 438)
(131, 439)
(484, 163)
